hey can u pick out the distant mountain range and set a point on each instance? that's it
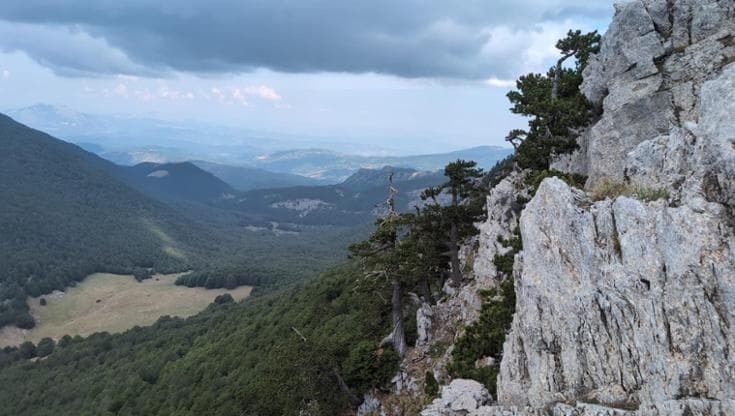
(244, 178)
(335, 167)
(245, 159)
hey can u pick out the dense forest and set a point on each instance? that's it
(271, 355)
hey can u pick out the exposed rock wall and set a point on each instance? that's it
(621, 303)
(649, 73)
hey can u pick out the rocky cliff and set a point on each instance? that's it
(625, 289)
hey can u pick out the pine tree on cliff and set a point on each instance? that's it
(460, 214)
(424, 245)
(381, 259)
(553, 102)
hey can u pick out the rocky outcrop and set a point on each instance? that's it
(463, 397)
(649, 73)
(629, 304)
(624, 303)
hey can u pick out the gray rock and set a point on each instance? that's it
(624, 303)
(681, 16)
(707, 18)
(658, 10)
(424, 316)
(644, 87)
(619, 132)
(459, 398)
(502, 216)
(371, 406)
(717, 128)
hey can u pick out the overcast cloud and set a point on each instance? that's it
(467, 39)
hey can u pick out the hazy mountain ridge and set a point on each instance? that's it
(244, 178)
(130, 141)
(335, 167)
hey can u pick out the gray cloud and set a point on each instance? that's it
(408, 38)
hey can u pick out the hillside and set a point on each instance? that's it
(232, 359)
(244, 178)
(176, 181)
(63, 216)
(66, 213)
(358, 200)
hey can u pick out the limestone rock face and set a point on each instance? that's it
(626, 306)
(647, 77)
(624, 303)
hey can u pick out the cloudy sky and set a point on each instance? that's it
(423, 71)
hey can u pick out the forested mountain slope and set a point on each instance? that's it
(182, 181)
(63, 216)
(358, 200)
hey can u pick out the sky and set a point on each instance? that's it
(416, 71)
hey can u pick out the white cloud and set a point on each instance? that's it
(500, 83)
(241, 95)
(263, 91)
(238, 96)
(524, 50)
(218, 94)
(121, 90)
(5, 74)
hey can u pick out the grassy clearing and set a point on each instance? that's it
(113, 303)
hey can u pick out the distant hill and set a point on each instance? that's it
(365, 179)
(63, 215)
(178, 181)
(245, 178)
(357, 200)
(335, 167)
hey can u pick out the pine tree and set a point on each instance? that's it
(381, 260)
(554, 104)
(460, 215)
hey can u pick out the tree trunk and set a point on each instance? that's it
(354, 400)
(425, 290)
(454, 255)
(557, 76)
(399, 334)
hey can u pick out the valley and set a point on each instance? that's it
(105, 302)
